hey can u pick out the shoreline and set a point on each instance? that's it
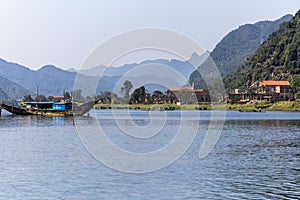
(254, 107)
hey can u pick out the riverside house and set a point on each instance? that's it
(267, 90)
(275, 90)
(187, 95)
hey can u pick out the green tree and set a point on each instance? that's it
(67, 95)
(28, 98)
(50, 98)
(157, 96)
(295, 84)
(127, 86)
(139, 94)
(170, 97)
(40, 98)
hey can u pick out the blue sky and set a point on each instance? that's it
(34, 33)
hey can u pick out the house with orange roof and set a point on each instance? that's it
(269, 90)
(275, 90)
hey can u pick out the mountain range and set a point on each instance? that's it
(185, 68)
(230, 53)
(20, 80)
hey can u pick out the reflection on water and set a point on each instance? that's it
(256, 157)
(29, 121)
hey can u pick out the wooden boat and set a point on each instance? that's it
(49, 108)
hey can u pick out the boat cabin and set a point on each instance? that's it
(50, 105)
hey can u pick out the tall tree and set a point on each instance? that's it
(67, 95)
(139, 94)
(127, 86)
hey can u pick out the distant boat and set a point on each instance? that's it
(49, 108)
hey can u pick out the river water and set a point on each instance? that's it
(257, 156)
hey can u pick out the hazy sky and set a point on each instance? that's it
(64, 32)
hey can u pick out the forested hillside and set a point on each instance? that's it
(234, 49)
(278, 58)
(241, 43)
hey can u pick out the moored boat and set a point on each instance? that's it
(49, 108)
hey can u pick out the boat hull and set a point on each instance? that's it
(15, 110)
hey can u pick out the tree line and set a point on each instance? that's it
(139, 95)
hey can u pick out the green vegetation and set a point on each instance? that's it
(240, 44)
(263, 106)
(139, 95)
(285, 106)
(278, 58)
(295, 83)
(127, 86)
(141, 106)
(267, 106)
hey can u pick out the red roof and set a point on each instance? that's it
(185, 89)
(180, 89)
(274, 83)
(58, 97)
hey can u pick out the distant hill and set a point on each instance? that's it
(278, 58)
(50, 79)
(54, 81)
(3, 95)
(9, 89)
(185, 68)
(234, 49)
(151, 73)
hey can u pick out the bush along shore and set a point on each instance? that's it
(254, 107)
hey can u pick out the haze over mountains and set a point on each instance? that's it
(230, 53)
(20, 80)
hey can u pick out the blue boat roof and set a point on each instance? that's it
(40, 102)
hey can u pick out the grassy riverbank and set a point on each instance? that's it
(267, 106)
(264, 106)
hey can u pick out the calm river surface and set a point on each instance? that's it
(256, 157)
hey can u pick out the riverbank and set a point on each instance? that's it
(263, 106)
(267, 106)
